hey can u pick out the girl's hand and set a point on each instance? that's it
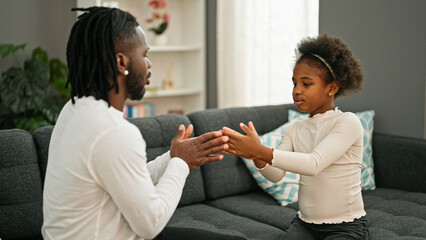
(229, 131)
(259, 163)
(247, 146)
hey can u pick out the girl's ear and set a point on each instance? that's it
(122, 63)
(334, 88)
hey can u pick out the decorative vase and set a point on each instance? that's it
(160, 40)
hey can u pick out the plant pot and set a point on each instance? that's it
(160, 40)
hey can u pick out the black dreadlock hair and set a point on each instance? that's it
(91, 50)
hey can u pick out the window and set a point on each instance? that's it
(256, 41)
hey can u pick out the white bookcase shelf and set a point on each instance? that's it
(175, 48)
(168, 93)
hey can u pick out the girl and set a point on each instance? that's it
(325, 149)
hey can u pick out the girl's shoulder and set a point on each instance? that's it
(348, 116)
(348, 119)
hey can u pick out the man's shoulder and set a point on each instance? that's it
(91, 120)
(98, 114)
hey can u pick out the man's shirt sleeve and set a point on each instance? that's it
(118, 163)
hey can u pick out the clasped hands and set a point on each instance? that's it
(203, 149)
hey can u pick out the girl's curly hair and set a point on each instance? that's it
(334, 51)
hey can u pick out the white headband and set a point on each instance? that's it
(299, 55)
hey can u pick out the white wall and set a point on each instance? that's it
(39, 23)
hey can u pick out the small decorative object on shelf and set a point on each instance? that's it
(159, 21)
(168, 82)
(139, 110)
(177, 111)
(151, 89)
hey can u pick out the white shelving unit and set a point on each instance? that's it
(182, 57)
(175, 48)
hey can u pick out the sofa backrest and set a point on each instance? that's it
(42, 140)
(20, 186)
(399, 162)
(230, 176)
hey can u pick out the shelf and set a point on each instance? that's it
(174, 48)
(168, 93)
(182, 57)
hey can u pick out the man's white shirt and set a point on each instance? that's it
(98, 183)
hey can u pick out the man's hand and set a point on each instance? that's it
(199, 150)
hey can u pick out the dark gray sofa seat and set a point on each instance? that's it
(221, 199)
(220, 222)
(395, 213)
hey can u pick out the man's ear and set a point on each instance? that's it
(122, 63)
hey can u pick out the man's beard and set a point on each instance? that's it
(134, 84)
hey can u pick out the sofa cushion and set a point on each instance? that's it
(230, 176)
(260, 207)
(286, 190)
(21, 187)
(42, 140)
(210, 219)
(367, 171)
(400, 162)
(158, 133)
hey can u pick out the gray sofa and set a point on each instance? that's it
(222, 199)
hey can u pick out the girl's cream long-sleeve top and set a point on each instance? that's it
(326, 150)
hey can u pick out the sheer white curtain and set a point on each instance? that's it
(256, 41)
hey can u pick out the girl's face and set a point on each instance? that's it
(310, 91)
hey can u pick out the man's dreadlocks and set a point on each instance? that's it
(91, 50)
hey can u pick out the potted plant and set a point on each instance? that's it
(158, 21)
(33, 93)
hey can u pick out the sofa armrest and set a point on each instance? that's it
(399, 162)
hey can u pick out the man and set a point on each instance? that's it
(98, 182)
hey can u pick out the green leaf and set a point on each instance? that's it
(57, 70)
(60, 87)
(52, 107)
(58, 76)
(39, 53)
(9, 49)
(25, 89)
(32, 95)
(160, 29)
(11, 89)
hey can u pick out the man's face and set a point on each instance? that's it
(139, 65)
(136, 82)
